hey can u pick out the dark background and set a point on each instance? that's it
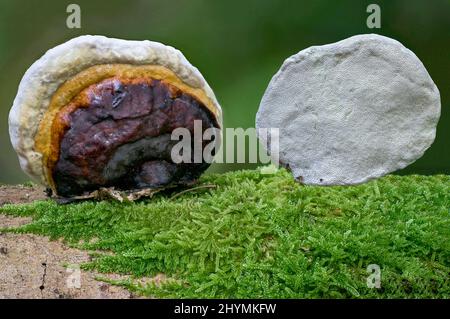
(237, 45)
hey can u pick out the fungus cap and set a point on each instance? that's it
(70, 86)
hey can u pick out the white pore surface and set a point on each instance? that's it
(61, 63)
(351, 111)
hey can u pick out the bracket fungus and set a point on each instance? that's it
(97, 112)
(350, 111)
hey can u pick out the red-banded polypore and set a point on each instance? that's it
(350, 111)
(98, 112)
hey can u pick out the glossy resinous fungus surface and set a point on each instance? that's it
(121, 137)
(351, 111)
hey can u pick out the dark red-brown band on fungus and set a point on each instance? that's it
(122, 138)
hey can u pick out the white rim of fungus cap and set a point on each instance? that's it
(304, 152)
(66, 60)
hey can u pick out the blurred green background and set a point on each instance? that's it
(237, 45)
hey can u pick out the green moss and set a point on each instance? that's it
(266, 236)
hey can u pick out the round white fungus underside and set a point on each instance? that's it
(351, 111)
